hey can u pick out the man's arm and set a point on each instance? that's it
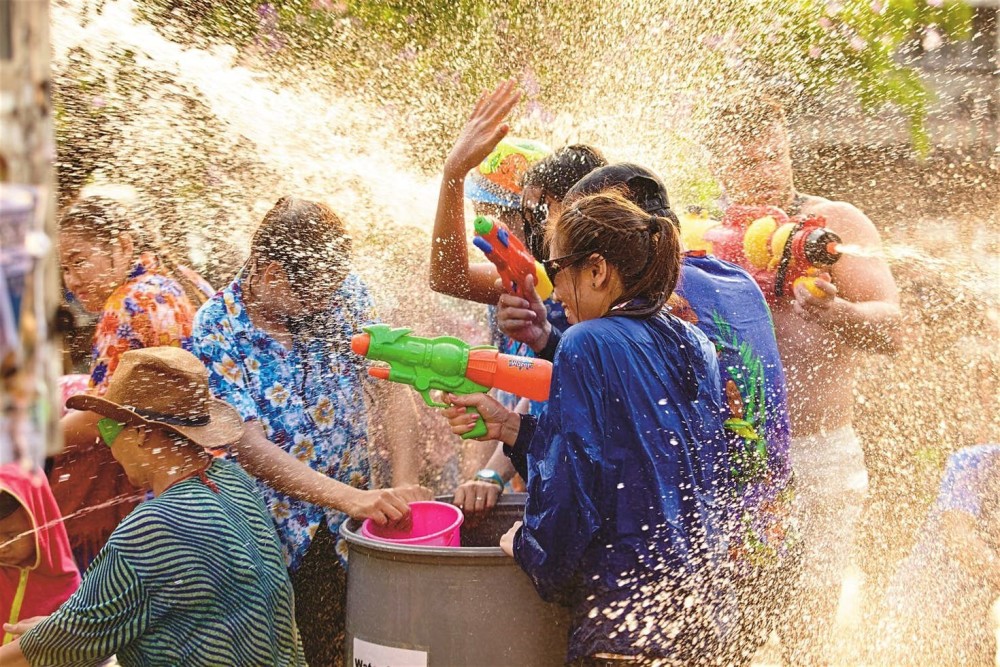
(450, 270)
(283, 472)
(862, 301)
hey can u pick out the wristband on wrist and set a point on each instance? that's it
(490, 476)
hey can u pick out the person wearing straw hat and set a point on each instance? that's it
(194, 576)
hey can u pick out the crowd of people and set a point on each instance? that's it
(693, 483)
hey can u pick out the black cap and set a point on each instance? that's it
(644, 187)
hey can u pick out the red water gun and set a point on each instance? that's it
(778, 251)
(513, 260)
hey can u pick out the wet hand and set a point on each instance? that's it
(484, 129)
(507, 541)
(19, 628)
(475, 497)
(501, 423)
(524, 319)
(382, 506)
(814, 308)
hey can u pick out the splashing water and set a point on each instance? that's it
(253, 134)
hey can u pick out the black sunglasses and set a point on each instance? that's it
(557, 264)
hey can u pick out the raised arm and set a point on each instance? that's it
(862, 301)
(451, 272)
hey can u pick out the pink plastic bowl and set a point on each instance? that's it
(434, 524)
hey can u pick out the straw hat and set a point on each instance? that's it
(166, 387)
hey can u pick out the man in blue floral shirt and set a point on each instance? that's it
(276, 342)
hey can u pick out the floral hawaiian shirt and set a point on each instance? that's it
(147, 310)
(309, 399)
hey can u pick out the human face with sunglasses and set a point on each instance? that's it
(585, 283)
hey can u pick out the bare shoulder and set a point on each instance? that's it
(846, 219)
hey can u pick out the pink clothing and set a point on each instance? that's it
(40, 589)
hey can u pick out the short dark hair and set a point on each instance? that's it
(557, 173)
(306, 238)
(638, 184)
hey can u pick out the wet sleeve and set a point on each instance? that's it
(518, 452)
(226, 372)
(108, 612)
(548, 353)
(561, 516)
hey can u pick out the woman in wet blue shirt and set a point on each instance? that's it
(627, 465)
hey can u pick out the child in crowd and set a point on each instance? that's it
(480, 153)
(37, 572)
(195, 575)
(143, 300)
(937, 608)
(627, 466)
(276, 342)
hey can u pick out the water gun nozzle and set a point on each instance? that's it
(360, 343)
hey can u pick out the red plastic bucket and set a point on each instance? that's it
(433, 524)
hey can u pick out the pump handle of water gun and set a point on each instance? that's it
(510, 256)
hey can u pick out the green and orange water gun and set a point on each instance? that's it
(450, 364)
(513, 260)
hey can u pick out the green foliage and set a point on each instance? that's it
(448, 47)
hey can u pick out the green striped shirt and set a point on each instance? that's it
(191, 577)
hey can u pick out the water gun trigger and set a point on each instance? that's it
(426, 395)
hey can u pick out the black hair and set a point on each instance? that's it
(557, 173)
(638, 184)
(8, 504)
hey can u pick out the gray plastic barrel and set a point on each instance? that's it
(448, 607)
